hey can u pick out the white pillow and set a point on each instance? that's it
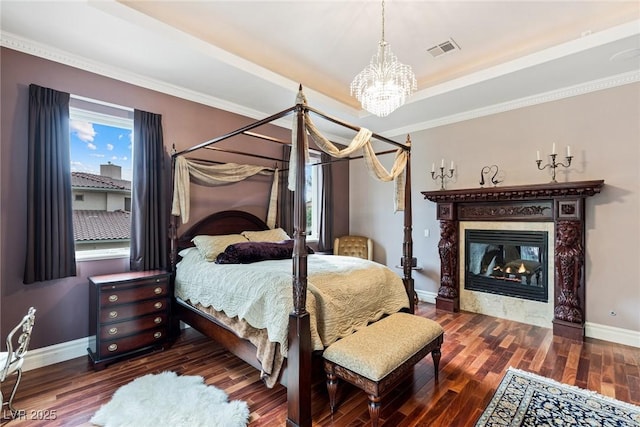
(211, 246)
(275, 235)
(183, 253)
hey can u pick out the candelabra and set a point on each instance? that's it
(442, 176)
(553, 164)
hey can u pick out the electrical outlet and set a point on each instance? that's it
(426, 232)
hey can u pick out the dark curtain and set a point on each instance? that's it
(285, 197)
(325, 238)
(50, 245)
(149, 224)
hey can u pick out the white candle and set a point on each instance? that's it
(433, 167)
(442, 163)
(553, 150)
(451, 165)
(568, 151)
(538, 155)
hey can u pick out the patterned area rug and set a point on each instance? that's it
(526, 399)
(167, 399)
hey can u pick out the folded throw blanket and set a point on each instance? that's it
(250, 252)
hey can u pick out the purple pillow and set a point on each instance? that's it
(249, 252)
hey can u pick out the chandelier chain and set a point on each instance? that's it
(383, 21)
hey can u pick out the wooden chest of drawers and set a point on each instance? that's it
(129, 314)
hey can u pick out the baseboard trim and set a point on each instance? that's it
(45, 356)
(612, 334)
(426, 296)
(40, 357)
(592, 330)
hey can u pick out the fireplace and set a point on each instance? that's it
(561, 206)
(507, 262)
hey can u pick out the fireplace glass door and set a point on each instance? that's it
(505, 262)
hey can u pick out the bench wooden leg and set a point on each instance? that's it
(374, 388)
(374, 409)
(332, 388)
(435, 354)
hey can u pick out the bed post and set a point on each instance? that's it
(407, 245)
(174, 324)
(299, 354)
(173, 222)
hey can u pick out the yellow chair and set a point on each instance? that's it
(12, 359)
(357, 246)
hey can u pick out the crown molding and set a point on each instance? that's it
(29, 47)
(541, 98)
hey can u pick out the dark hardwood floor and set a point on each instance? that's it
(477, 351)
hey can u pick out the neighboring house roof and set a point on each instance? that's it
(101, 225)
(89, 180)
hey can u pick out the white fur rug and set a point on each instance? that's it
(167, 399)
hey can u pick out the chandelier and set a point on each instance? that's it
(385, 83)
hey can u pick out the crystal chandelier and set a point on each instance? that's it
(385, 83)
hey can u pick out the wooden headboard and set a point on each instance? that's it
(219, 223)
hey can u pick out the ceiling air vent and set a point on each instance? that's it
(442, 48)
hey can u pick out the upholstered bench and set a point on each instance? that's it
(376, 357)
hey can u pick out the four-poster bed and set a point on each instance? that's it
(300, 343)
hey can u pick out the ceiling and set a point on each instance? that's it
(250, 56)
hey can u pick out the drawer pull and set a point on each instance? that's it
(158, 305)
(113, 314)
(157, 280)
(157, 335)
(113, 331)
(113, 298)
(112, 347)
(157, 320)
(157, 290)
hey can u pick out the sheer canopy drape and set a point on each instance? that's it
(50, 242)
(213, 175)
(362, 141)
(149, 221)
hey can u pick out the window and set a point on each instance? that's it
(313, 173)
(101, 172)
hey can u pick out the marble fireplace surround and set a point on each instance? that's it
(562, 205)
(519, 309)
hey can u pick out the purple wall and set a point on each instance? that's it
(63, 304)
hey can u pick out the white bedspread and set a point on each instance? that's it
(344, 293)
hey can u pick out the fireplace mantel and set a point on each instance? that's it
(561, 203)
(517, 192)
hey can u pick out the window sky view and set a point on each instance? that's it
(93, 144)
